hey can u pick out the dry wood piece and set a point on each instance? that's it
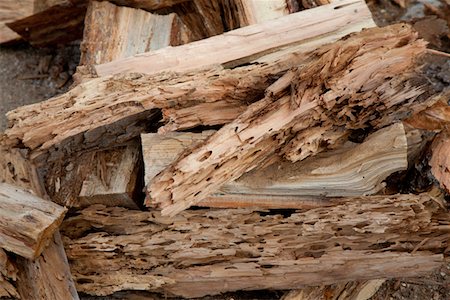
(436, 117)
(48, 276)
(351, 170)
(204, 252)
(303, 110)
(440, 159)
(59, 23)
(28, 222)
(257, 11)
(112, 32)
(8, 274)
(357, 290)
(11, 10)
(149, 5)
(125, 104)
(240, 45)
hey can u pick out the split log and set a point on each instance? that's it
(112, 32)
(243, 44)
(350, 170)
(28, 222)
(47, 277)
(440, 159)
(258, 11)
(59, 23)
(8, 274)
(205, 252)
(11, 10)
(362, 290)
(106, 111)
(303, 111)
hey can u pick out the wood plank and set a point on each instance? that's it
(113, 32)
(188, 100)
(297, 114)
(357, 238)
(250, 41)
(28, 221)
(349, 170)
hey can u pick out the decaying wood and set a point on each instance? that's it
(28, 222)
(351, 170)
(203, 252)
(11, 10)
(436, 117)
(124, 104)
(8, 274)
(356, 290)
(250, 42)
(440, 159)
(348, 78)
(47, 277)
(59, 23)
(112, 32)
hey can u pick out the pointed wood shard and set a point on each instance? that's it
(345, 85)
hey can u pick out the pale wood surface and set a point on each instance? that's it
(204, 252)
(28, 222)
(294, 109)
(250, 41)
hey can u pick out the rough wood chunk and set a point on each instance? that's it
(11, 10)
(113, 32)
(250, 41)
(440, 159)
(8, 274)
(28, 222)
(48, 276)
(344, 86)
(125, 104)
(204, 252)
(257, 11)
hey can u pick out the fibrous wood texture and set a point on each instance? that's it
(356, 290)
(250, 42)
(345, 85)
(48, 276)
(8, 274)
(28, 222)
(112, 32)
(203, 252)
(125, 104)
(11, 10)
(350, 170)
(257, 11)
(440, 159)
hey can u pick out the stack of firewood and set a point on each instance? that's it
(215, 146)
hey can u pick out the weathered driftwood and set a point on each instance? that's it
(8, 274)
(243, 44)
(202, 252)
(351, 170)
(356, 290)
(112, 32)
(345, 85)
(28, 222)
(11, 10)
(48, 276)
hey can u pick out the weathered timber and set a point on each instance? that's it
(349, 78)
(257, 11)
(11, 10)
(28, 222)
(8, 274)
(440, 159)
(59, 23)
(356, 290)
(204, 252)
(436, 117)
(105, 111)
(350, 170)
(112, 32)
(48, 276)
(243, 44)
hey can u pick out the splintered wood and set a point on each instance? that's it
(345, 85)
(206, 252)
(28, 222)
